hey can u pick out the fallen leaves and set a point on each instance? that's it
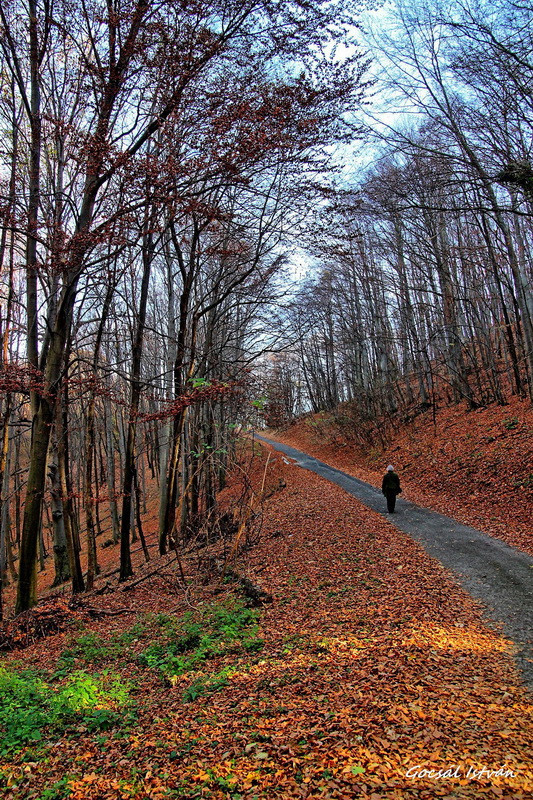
(367, 671)
(51, 616)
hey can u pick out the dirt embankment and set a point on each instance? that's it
(475, 466)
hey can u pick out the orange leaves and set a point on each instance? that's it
(452, 638)
(49, 617)
(95, 787)
(367, 673)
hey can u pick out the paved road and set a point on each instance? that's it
(491, 571)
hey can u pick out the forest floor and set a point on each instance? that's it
(475, 466)
(371, 674)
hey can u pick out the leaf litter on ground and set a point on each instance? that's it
(373, 663)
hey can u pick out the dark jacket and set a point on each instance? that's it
(391, 483)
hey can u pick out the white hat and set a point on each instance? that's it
(390, 468)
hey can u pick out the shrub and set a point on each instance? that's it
(30, 706)
(510, 423)
(92, 649)
(215, 630)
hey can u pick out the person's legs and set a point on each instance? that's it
(391, 502)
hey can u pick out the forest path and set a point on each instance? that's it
(491, 571)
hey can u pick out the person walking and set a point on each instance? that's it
(390, 488)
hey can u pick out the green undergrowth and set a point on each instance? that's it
(90, 648)
(33, 709)
(214, 630)
(178, 644)
(60, 790)
(82, 693)
(208, 683)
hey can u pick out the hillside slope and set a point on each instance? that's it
(476, 466)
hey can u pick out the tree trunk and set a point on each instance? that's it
(61, 560)
(33, 199)
(110, 471)
(137, 351)
(73, 551)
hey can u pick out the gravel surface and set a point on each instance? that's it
(492, 572)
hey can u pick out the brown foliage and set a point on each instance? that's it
(51, 616)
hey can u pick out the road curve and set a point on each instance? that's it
(492, 572)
